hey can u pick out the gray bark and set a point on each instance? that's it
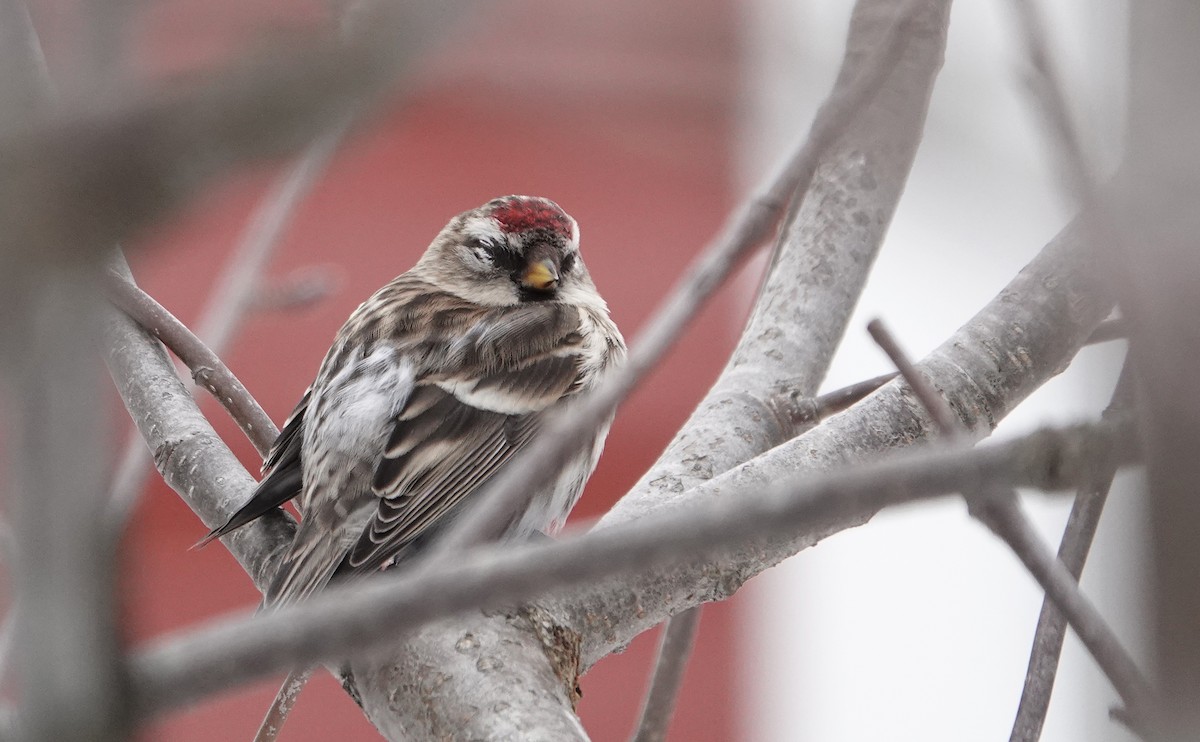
(191, 456)
(1023, 337)
(363, 618)
(817, 272)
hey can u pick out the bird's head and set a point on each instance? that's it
(511, 250)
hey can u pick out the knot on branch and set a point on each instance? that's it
(562, 647)
(166, 452)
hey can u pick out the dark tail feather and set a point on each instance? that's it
(277, 488)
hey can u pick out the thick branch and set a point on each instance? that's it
(1022, 338)
(820, 264)
(71, 672)
(188, 452)
(1159, 221)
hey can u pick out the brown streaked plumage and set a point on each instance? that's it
(431, 386)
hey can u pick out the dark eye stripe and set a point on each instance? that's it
(502, 256)
(507, 260)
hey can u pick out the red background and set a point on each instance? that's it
(620, 112)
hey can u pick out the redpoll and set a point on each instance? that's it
(431, 387)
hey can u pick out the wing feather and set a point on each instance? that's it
(502, 377)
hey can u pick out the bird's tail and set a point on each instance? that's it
(307, 567)
(272, 723)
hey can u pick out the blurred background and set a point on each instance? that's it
(648, 121)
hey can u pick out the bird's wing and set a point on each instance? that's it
(463, 422)
(283, 476)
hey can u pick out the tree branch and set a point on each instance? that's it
(1158, 189)
(678, 637)
(206, 367)
(73, 681)
(818, 268)
(1072, 551)
(998, 507)
(1026, 335)
(350, 619)
(194, 461)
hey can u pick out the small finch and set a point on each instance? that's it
(433, 384)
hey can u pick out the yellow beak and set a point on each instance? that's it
(542, 276)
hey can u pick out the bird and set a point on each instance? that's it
(432, 386)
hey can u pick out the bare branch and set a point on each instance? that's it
(219, 321)
(207, 368)
(73, 680)
(801, 314)
(192, 458)
(370, 613)
(678, 636)
(298, 289)
(749, 226)
(1076, 173)
(1072, 552)
(1159, 265)
(997, 507)
(1023, 337)
(240, 282)
(947, 422)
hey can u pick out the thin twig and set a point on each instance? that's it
(944, 418)
(808, 412)
(207, 368)
(277, 713)
(370, 613)
(219, 321)
(242, 279)
(297, 290)
(748, 227)
(678, 636)
(1072, 552)
(996, 506)
(1075, 171)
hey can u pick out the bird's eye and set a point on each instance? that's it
(483, 249)
(568, 262)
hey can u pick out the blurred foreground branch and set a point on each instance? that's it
(350, 619)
